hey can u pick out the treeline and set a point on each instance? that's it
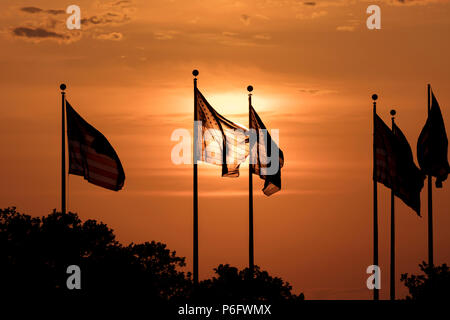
(36, 252)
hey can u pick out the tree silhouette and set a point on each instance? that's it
(35, 254)
(37, 251)
(232, 285)
(434, 284)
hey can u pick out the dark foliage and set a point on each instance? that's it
(231, 286)
(35, 254)
(433, 285)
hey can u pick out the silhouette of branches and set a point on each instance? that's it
(434, 284)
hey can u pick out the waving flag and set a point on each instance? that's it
(394, 165)
(262, 152)
(91, 155)
(221, 141)
(410, 179)
(432, 145)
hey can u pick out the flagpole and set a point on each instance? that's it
(430, 201)
(195, 186)
(392, 277)
(250, 192)
(63, 149)
(375, 199)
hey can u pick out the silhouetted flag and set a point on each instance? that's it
(432, 145)
(261, 151)
(91, 155)
(394, 165)
(219, 134)
(410, 179)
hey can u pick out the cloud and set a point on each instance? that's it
(229, 34)
(51, 24)
(165, 35)
(262, 37)
(107, 18)
(55, 12)
(31, 9)
(39, 10)
(115, 36)
(235, 39)
(309, 3)
(123, 3)
(311, 15)
(38, 33)
(262, 17)
(314, 91)
(346, 28)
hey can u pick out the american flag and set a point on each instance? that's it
(385, 166)
(260, 153)
(91, 155)
(220, 141)
(394, 165)
(432, 146)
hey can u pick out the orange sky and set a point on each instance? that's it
(314, 68)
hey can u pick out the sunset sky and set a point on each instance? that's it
(314, 66)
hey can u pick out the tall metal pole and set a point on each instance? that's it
(430, 201)
(195, 255)
(376, 293)
(251, 262)
(392, 276)
(63, 149)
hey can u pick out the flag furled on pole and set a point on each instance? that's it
(220, 141)
(91, 155)
(261, 152)
(394, 165)
(410, 178)
(432, 145)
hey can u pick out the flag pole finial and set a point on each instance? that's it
(374, 97)
(195, 72)
(393, 113)
(62, 86)
(250, 88)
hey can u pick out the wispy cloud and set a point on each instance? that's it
(314, 91)
(115, 36)
(36, 33)
(311, 14)
(262, 37)
(165, 35)
(105, 19)
(39, 10)
(51, 23)
(345, 28)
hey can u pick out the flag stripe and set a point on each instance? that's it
(91, 155)
(95, 164)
